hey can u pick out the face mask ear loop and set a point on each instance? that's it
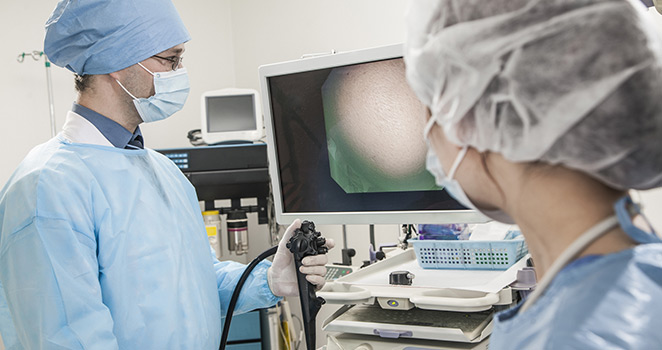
(456, 163)
(428, 127)
(148, 71)
(433, 119)
(125, 90)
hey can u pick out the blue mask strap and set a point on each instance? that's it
(625, 208)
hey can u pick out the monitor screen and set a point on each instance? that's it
(230, 113)
(347, 145)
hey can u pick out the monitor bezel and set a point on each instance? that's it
(367, 217)
(214, 137)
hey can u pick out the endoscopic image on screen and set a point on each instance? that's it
(373, 124)
(350, 139)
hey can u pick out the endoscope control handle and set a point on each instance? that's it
(306, 242)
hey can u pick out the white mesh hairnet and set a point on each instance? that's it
(577, 83)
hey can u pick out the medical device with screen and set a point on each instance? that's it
(345, 136)
(231, 115)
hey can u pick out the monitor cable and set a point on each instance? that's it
(195, 137)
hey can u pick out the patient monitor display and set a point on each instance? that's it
(231, 115)
(346, 142)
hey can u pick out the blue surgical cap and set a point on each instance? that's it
(104, 36)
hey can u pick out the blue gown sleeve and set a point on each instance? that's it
(50, 278)
(255, 294)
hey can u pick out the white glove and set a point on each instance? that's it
(281, 275)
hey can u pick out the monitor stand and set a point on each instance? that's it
(236, 142)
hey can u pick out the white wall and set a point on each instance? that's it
(23, 94)
(652, 200)
(276, 31)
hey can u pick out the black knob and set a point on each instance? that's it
(402, 278)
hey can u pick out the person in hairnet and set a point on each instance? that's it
(102, 243)
(545, 114)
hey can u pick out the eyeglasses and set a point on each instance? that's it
(175, 60)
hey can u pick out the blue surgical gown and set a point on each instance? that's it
(611, 302)
(105, 248)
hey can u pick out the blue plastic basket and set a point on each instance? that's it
(469, 255)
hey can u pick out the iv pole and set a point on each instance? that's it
(36, 55)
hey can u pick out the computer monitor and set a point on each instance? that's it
(345, 142)
(231, 115)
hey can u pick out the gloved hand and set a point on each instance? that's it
(281, 275)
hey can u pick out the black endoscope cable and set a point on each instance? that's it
(235, 295)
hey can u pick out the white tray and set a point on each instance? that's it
(397, 324)
(445, 290)
(355, 342)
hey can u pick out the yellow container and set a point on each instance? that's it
(212, 220)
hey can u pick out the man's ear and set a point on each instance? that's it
(115, 75)
(118, 75)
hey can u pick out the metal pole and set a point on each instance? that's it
(36, 55)
(51, 106)
(372, 236)
(344, 236)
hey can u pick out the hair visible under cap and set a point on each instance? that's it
(82, 82)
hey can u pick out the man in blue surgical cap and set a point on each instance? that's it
(102, 243)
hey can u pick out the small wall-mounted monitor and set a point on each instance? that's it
(231, 115)
(345, 142)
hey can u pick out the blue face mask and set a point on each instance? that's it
(170, 93)
(452, 186)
